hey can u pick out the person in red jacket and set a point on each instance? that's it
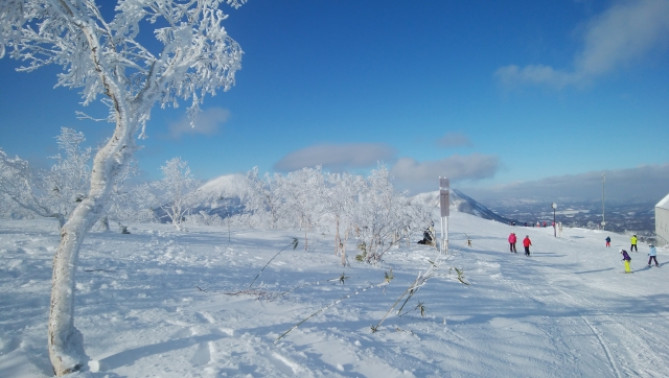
(512, 243)
(527, 243)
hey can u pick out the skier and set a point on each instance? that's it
(653, 256)
(633, 241)
(626, 260)
(527, 243)
(608, 241)
(512, 243)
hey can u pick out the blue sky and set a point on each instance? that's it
(491, 94)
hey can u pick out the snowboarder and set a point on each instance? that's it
(626, 260)
(608, 241)
(512, 243)
(633, 241)
(527, 243)
(653, 256)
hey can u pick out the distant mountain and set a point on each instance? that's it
(466, 204)
(224, 186)
(462, 203)
(222, 196)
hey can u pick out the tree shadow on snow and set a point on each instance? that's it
(128, 357)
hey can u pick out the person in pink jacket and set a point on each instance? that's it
(512, 243)
(527, 243)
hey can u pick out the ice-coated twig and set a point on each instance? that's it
(294, 244)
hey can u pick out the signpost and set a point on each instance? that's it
(444, 205)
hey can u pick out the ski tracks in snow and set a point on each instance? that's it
(626, 346)
(205, 353)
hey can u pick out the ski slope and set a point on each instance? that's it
(158, 303)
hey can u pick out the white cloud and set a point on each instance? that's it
(623, 33)
(626, 32)
(418, 176)
(207, 122)
(454, 140)
(535, 74)
(337, 156)
(407, 173)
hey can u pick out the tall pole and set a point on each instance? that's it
(603, 182)
(444, 204)
(554, 224)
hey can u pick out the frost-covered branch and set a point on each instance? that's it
(53, 193)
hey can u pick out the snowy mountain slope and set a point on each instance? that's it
(222, 196)
(468, 205)
(220, 187)
(462, 203)
(160, 303)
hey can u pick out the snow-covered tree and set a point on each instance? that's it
(303, 193)
(413, 218)
(351, 205)
(143, 199)
(262, 197)
(340, 199)
(124, 201)
(177, 182)
(53, 193)
(69, 178)
(17, 185)
(112, 55)
(377, 214)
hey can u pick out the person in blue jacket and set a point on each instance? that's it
(653, 256)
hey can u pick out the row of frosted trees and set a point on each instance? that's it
(364, 211)
(367, 209)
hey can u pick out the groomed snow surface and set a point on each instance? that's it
(158, 303)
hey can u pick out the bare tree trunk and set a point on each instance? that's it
(307, 224)
(65, 342)
(306, 239)
(105, 223)
(337, 238)
(343, 246)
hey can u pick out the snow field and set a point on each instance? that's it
(168, 304)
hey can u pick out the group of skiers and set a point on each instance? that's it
(428, 238)
(652, 253)
(526, 243)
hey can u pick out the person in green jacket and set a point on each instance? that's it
(633, 240)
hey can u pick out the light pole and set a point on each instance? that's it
(554, 225)
(603, 182)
